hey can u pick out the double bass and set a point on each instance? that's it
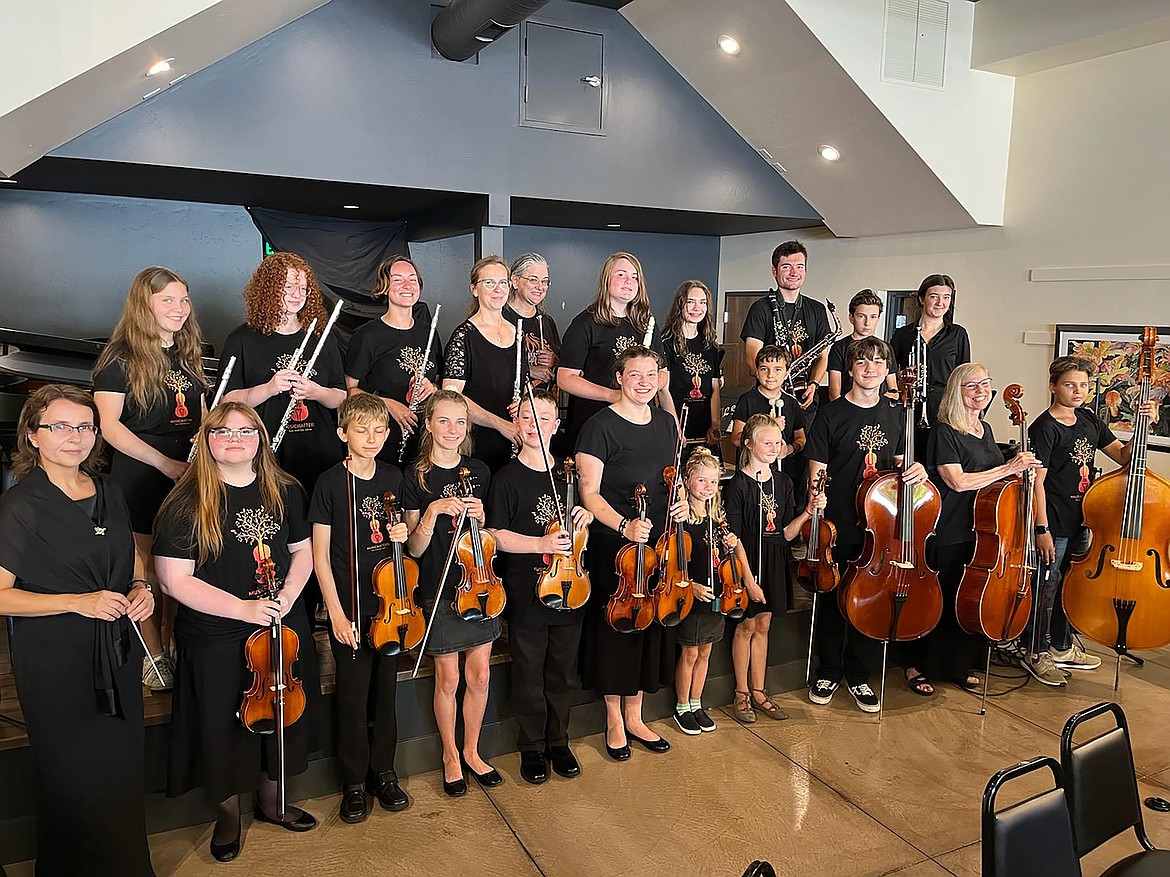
(675, 594)
(994, 599)
(1118, 594)
(816, 571)
(631, 607)
(400, 623)
(480, 593)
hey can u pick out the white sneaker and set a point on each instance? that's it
(1043, 669)
(164, 678)
(1075, 658)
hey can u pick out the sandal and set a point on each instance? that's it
(766, 706)
(972, 682)
(742, 708)
(920, 685)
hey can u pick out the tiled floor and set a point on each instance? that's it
(828, 792)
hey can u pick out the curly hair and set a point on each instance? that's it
(264, 294)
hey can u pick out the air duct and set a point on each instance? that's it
(466, 26)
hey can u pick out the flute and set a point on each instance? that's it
(412, 400)
(223, 382)
(516, 383)
(308, 370)
(649, 332)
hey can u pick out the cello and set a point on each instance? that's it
(816, 570)
(675, 595)
(631, 608)
(400, 623)
(480, 594)
(1118, 594)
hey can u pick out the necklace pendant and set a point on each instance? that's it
(99, 531)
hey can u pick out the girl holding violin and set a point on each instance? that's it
(351, 534)
(626, 446)
(523, 513)
(695, 362)
(71, 582)
(434, 498)
(148, 386)
(232, 519)
(703, 625)
(761, 510)
(482, 358)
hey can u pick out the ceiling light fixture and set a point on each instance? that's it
(158, 67)
(350, 207)
(729, 44)
(829, 153)
(8, 181)
(613, 225)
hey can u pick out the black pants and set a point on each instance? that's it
(841, 650)
(948, 652)
(544, 671)
(366, 684)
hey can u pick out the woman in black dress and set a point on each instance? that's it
(695, 363)
(148, 386)
(624, 445)
(233, 508)
(431, 503)
(481, 364)
(618, 318)
(67, 563)
(385, 355)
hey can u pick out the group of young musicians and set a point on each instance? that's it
(402, 446)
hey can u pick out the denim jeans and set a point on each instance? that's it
(1052, 630)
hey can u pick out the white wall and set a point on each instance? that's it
(1088, 186)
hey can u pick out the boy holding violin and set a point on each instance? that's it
(351, 535)
(528, 512)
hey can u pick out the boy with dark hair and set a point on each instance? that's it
(865, 309)
(766, 398)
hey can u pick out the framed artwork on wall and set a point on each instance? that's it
(1114, 391)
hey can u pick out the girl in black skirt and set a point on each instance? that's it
(66, 575)
(233, 508)
(761, 510)
(148, 385)
(481, 364)
(695, 363)
(432, 503)
(627, 444)
(703, 625)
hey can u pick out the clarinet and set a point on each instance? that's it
(412, 401)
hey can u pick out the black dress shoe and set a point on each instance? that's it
(228, 851)
(533, 767)
(355, 806)
(622, 753)
(305, 822)
(659, 745)
(456, 788)
(389, 794)
(488, 780)
(563, 761)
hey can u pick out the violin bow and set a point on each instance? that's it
(422, 647)
(145, 648)
(545, 455)
(351, 508)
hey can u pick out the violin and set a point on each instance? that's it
(480, 594)
(675, 595)
(732, 599)
(564, 584)
(275, 699)
(891, 594)
(400, 623)
(995, 594)
(1118, 593)
(631, 607)
(816, 571)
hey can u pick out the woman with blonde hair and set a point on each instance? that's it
(148, 386)
(231, 512)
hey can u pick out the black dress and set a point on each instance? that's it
(536, 326)
(166, 426)
(384, 360)
(310, 444)
(703, 624)
(743, 499)
(489, 375)
(754, 402)
(625, 663)
(209, 746)
(78, 680)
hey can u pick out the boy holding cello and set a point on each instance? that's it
(351, 534)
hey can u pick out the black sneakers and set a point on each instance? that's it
(688, 723)
(866, 700)
(704, 721)
(822, 691)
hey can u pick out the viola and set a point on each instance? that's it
(891, 594)
(564, 584)
(480, 594)
(631, 607)
(732, 599)
(995, 594)
(675, 594)
(400, 623)
(816, 571)
(1118, 594)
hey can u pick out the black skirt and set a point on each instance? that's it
(450, 633)
(145, 487)
(88, 767)
(210, 747)
(773, 580)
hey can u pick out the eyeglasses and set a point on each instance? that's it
(223, 433)
(538, 281)
(971, 386)
(492, 285)
(82, 429)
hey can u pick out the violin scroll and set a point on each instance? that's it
(1012, 394)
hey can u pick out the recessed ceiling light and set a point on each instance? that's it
(8, 181)
(829, 153)
(613, 225)
(729, 44)
(158, 67)
(350, 207)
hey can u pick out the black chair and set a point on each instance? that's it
(755, 869)
(1103, 793)
(1033, 838)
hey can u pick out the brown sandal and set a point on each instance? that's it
(766, 706)
(742, 708)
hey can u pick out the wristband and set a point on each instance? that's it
(622, 527)
(1042, 529)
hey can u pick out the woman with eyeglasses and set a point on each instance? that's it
(71, 581)
(233, 510)
(481, 365)
(148, 385)
(530, 288)
(962, 458)
(385, 356)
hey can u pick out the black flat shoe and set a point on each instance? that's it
(228, 851)
(355, 806)
(622, 753)
(389, 794)
(455, 789)
(533, 767)
(659, 745)
(305, 822)
(563, 761)
(488, 780)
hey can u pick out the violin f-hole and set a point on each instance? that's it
(1100, 561)
(1162, 583)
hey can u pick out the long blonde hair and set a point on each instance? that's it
(754, 424)
(951, 409)
(135, 341)
(638, 310)
(703, 457)
(426, 441)
(199, 499)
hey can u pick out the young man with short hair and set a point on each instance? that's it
(865, 309)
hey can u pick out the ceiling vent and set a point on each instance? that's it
(915, 44)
